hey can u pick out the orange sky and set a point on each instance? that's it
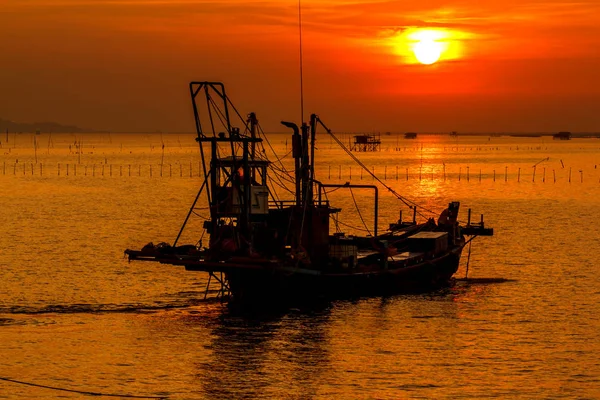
(509, 66)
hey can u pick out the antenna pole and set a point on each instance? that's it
(301, 80)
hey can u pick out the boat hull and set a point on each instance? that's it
(278, 284)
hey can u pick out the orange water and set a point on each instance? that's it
(75, 314)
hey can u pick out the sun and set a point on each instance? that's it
(426, 46)
(427, 50)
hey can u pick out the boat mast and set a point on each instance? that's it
(301, 72)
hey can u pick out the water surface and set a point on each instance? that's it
(75, 314)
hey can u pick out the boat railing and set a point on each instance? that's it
(281, 203)
(289, 203)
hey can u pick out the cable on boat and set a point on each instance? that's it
(351, 226)
(84, 392)
(359, 213)
(406, 201)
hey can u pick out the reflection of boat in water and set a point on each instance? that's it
(264, 247)
(410, 135)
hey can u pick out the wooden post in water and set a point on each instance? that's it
(67, 169)
(406, 173)
(468, 177)
(180, 170)
(534, 173)
(459, 173)
(340, 172)
(554, 174)
(330, 172)
(75, 169)
(110, 168)
(544, 176)
(505, 174)
(581, 172)
(85, 171)
(93, 169)
(519, 176)
(570, 174)
(150, 171)
(385, 172)
(444, 164)
(170, 170)
(120, 170)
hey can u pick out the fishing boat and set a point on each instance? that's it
(266, 247)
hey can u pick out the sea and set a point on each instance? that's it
(76, 318)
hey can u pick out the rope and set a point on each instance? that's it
(353, 227)
(359, 214)
(87, 393)
(405, 200)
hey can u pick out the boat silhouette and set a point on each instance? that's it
(263, 247)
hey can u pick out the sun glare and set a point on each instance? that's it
(428, 45)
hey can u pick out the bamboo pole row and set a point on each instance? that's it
(463, 173)
(62, 169)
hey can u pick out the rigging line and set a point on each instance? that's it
(210, 116)
(284, 173)
(262, 134)
(273, 193)
(282, 178)
(335, 219)
(354, 227)
(282, 157)
(224, 121)
(281, 175)
(201, 216)
(279, 183)
(81, 391)
(405, 200)
(358, 210)
(333, 190)
(301, 72)
(243, 121)
(361, 164)
(283, 187)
